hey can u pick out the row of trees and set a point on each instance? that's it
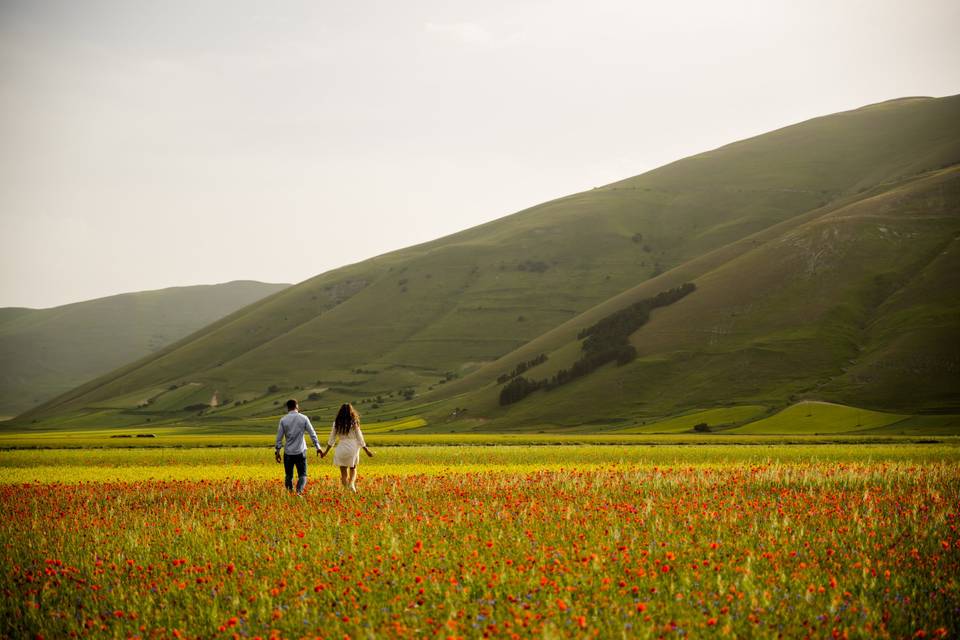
(518, 389)
(606, 341)
(521, 368)
(613, 331)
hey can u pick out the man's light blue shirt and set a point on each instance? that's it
(292, 426)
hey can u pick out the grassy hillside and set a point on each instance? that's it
(808, 245)
(46, 352)
(799, 310)
(714, 419)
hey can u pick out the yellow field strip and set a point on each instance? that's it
(219, 464)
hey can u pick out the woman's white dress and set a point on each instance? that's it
(347, 453)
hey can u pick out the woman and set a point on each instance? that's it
(347, 428)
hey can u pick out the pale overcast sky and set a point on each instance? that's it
(147, 144)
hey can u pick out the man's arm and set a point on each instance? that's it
(313, 434)
(279, 444)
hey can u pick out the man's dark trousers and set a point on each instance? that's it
(300, 462)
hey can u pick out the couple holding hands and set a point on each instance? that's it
(345, 434)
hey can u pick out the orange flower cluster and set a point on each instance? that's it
(803, 550)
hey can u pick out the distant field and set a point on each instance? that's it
(192, 440)
(711, 417)
(730, 425)
(512, 455)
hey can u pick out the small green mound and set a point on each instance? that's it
(818, 418)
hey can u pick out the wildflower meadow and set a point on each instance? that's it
(755, 547)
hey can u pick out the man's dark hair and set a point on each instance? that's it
(291, 404)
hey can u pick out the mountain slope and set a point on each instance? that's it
(856, 303)
(46, 352)
(415, 320)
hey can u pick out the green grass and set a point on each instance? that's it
(818, 418)
(712, 417)
(920, 425)
(818, 251)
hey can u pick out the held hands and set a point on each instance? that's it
(321, 453)
(369, 453)
(276, 455)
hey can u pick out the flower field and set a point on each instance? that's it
(817, 545)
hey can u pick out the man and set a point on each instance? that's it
(292, 427)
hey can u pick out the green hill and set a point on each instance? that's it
(820, 418)
(46, 352)
(852, 304)
(821, 255)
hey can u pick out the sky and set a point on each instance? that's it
(151, 144)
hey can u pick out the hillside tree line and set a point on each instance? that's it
(608, 340)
